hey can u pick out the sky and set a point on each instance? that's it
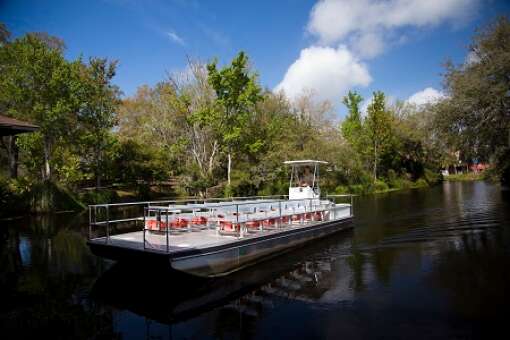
(325, 47)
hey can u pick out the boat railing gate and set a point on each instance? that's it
(104, 215)
(344, 196)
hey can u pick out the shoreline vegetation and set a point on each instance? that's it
(76, 202)
(214, 131)
(467, 176)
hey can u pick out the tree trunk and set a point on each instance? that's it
(229, 167)
(98, 179)
(46, 167)
(98, 168)
(12, 155)
(375, 162)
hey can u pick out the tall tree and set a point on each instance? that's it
(39, 85)
(97, 115)
(378, 128)
(4, 34)
(351, 126)
(237, 92)
(475, 116)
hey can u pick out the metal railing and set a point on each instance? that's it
(104, 210)
(351, 198)
(235, 210)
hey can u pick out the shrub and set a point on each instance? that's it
(341, 189)
(432, 177)
(357, 189)
(420, 183)
(13, 197)
(99, 196)
(402, 183)
(380, 186)
(391, 178)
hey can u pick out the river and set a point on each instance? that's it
(426, 263)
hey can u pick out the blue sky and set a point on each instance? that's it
(328, 47)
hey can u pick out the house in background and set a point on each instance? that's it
(459, 166)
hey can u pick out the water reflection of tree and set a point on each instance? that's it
(357, 263)
(473, 273)
(48, 294)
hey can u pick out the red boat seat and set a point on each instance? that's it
(252, 224)
(198, 220)
(269, 222)
(317, 216)
(179, 222)
(228, 226)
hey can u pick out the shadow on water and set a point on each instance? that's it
(166, 296)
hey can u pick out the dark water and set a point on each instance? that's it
(432, 263)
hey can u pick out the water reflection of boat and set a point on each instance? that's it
(170, 296)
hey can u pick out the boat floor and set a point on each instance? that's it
(185, 240)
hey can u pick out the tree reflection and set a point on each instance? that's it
(46, 271)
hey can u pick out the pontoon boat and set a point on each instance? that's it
(214, 237)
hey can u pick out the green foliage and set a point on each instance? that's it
(6, 196)
(474, 118)
(470, 176)
(97, 115)
(72, 102)
(99, 196)
(378, 129)
(432, 177)
(352, 125)
(185, 131)
(237, 93)
(402, 183)
(380, 186)
(39, 85)
(421, 183)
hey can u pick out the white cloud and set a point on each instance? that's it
(426, 96)
(368, 45)
(326, 71)
(368, 25)
(175, 37)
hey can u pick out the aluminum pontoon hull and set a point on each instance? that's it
(224, 259)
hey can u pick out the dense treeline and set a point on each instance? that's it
(474, 118)
(214, 131)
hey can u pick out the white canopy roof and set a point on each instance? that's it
(305, 162)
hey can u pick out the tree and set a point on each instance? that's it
(475, 116)
(352, 125)
(155, 119)
(4, 34)
(378, 128)
(237, 92)
(97, 115)
(202, 143)
(40, 86)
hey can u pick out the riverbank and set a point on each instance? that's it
(18, 198)
(390, 183)
(469, 176)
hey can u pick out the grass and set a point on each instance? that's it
(469, 176)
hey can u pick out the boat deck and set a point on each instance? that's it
(156, 241)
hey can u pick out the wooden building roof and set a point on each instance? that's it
(10, 126)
